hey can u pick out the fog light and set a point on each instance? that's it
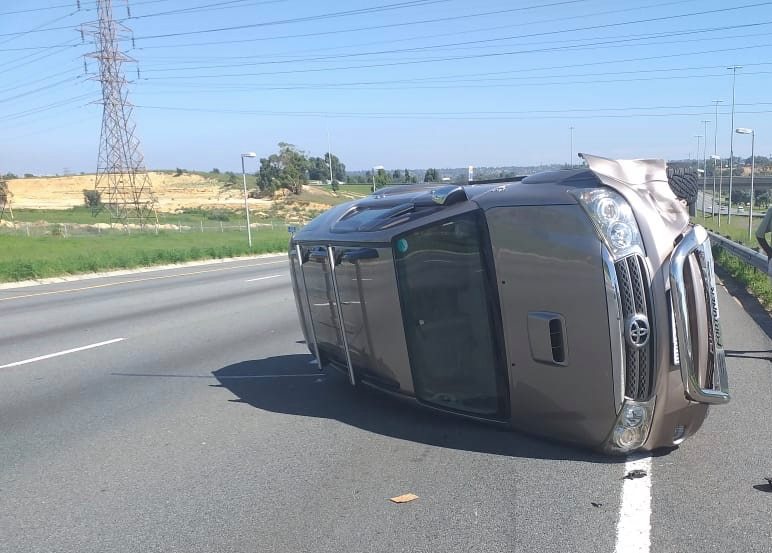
(631, 427)
(626, 438)
(633, 415)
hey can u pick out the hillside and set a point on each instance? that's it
(172, 192)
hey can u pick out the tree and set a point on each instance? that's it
(740, 196)
(286, 169)
(382, 178)
(5, 197)
(215, 171)
(431, 175)
(8, 176)
(93, 199)
(396, 175)
(231, 178)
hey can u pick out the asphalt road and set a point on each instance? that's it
(205, 429)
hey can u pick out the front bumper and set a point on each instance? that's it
(697, 242)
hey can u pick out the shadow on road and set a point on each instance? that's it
(763, 354)
(289, 384)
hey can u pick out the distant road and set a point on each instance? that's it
(177, 411)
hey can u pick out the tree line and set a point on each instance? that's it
(291, 168)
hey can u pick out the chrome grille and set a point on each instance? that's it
(635, 300)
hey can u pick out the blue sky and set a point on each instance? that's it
(444, 83)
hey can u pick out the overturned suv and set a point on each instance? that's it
(578, 305)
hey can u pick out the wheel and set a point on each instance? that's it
(683, 183)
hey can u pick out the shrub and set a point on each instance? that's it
(218, 215)
(92, 199)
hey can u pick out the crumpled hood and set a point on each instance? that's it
(645, 181)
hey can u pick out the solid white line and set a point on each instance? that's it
(634, 527)
(262, 278)
(65, 352)
(162, 277)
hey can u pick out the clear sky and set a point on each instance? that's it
(443, 83)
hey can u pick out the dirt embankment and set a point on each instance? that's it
(172, 192)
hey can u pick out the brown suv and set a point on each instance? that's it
(578, 305)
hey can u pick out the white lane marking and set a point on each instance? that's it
(65, 352)
(234, 377)
(263, 278)
(634, 527)
(138, 280)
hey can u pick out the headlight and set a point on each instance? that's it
(613, 218)
(632, 426)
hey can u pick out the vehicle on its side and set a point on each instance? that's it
(578, 305)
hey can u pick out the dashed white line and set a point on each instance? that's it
(634, 526)
(262, 278)
(59, 353)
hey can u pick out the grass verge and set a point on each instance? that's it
(23, 258)
(737, 231)
(756, 282)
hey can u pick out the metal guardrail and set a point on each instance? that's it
(751, 257)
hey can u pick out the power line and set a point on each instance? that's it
(457, 58)
(39, 89)
(620, 42)
(44, 108)
(486, 86)
(47, 8)
(443, 116)
(626, 36)
(207, 7)
(39, 28)
(360, 11)
(542, 33)
(402, 24)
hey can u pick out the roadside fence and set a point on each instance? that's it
(67, 230)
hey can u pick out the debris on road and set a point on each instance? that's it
(633, 474)
(404, 498)
(595, 504)
(769, 480)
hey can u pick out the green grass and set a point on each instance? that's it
(82, 215)
(23, 258)
(755, 281)
(737, 231)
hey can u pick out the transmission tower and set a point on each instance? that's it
(121, 176)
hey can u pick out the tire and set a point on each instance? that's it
(683, 183)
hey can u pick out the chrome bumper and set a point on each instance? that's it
(697, 242)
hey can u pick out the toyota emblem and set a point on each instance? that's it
(637, 330)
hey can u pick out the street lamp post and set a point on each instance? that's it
(375, 170)
(734, 69)
(246, 205)
(704, 165)
(571, 155)
(715, 158)
(751, 132)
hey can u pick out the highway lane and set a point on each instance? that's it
(207, 429)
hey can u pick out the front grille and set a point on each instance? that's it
(634, 294)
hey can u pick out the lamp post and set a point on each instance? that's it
(697, 155)
(734, 69)
(704, 164)
(571, 155)
(751, 132)
(715, 158)
(375, 170)
(246, 205)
